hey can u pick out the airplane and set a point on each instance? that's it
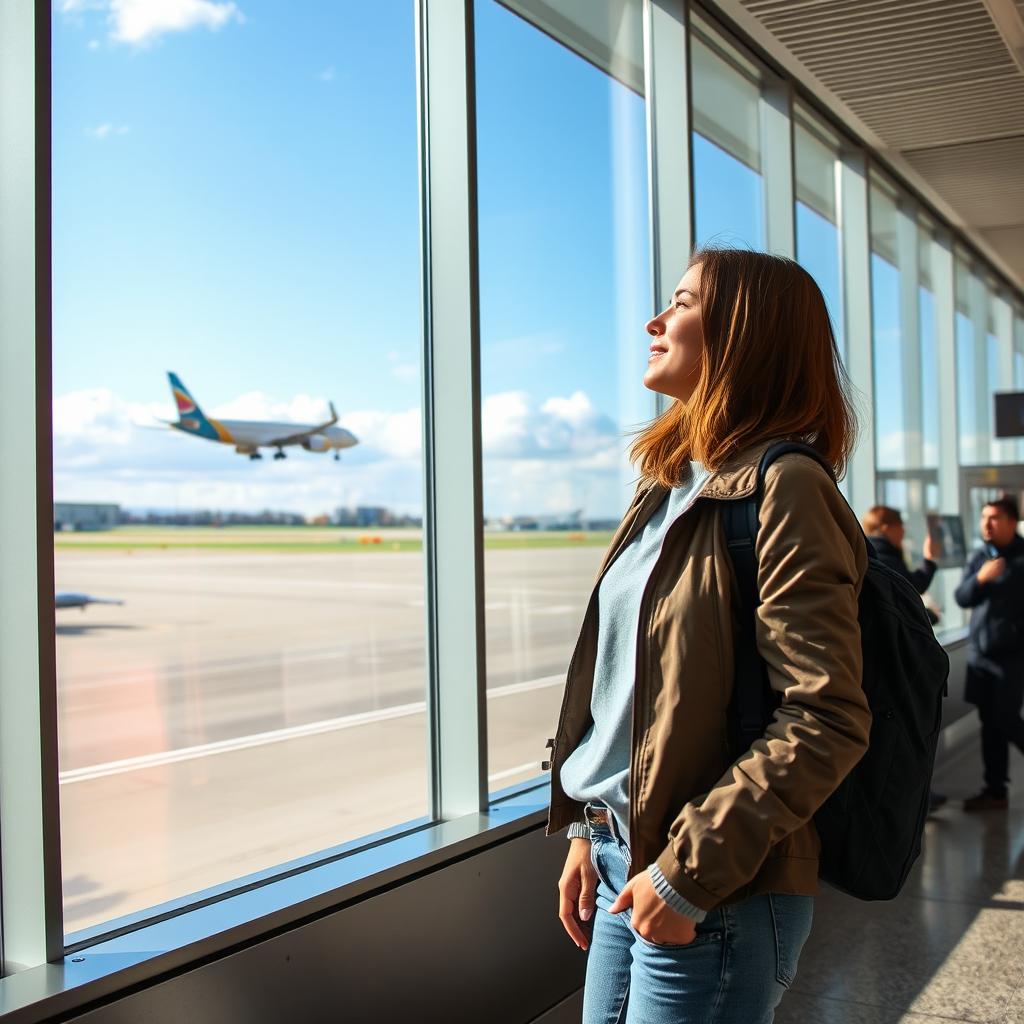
(248, 436)
(69, 599)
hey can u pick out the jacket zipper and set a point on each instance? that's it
(641, 650)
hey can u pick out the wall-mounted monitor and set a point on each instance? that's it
(1009, 414)
(947, 534)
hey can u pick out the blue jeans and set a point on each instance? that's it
(735, 971)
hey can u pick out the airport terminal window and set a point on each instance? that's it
(818, 237)
(564, 296)
(1018, 367)
(235, 199)
(906, 382)
(977, 365)
(727, 178)
(1001, 366)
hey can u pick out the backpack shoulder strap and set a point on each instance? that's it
(740, 521)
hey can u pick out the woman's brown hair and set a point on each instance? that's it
(770, 369)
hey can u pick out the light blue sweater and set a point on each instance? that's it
(598, 769)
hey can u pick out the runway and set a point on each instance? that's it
(244, 708)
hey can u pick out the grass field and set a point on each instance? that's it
(298, 539)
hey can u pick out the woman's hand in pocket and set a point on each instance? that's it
(577, 891)
(652, 918)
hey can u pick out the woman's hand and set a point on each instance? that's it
(652, 918)
(576, 889)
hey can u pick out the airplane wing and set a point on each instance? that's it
(68, 599)
(302, 435)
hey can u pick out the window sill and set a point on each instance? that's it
(226, 922)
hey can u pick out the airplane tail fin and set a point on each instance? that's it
(191, 418)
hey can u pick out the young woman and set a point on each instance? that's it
(700, 860)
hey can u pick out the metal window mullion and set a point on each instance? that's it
(669, 147)
(856, 277)
(30, 869)
(910, 336)
(982, 427)
(778, 166)
(944, 290)
(453, 499)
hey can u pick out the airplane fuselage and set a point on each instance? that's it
(248, 435)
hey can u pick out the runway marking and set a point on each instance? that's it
(157, 760)
(530, 765)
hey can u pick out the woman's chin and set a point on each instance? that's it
(653, 382)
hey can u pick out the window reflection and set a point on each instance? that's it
(727, 180)
(564, 295)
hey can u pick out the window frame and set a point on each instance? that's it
(464, 818)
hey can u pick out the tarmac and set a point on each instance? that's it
(243, 709)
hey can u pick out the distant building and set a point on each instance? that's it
(213, 517)
(73, 515)
(374, 515)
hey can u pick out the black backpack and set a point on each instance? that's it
(871, 827)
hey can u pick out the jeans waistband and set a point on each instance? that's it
(601, 819)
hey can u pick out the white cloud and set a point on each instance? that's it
(141, 22)
(400, 370)
(108, 449)
(94, 44)
(327, 75)
(514, 427)
(105, 130)
(541, 456)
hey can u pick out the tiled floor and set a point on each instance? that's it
(951, 948)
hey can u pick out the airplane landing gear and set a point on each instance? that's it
(254, 455)
(337, 456)
(279, 454)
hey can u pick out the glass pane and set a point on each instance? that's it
(890, 415)
(727, 180)
(236, 200)
(815, 172)
(973, 443)
(979, 357)
(1018, 368)
(906, 380)
(818, 239)
(564, 296)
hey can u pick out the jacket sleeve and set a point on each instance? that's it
(969, 592)
(811, 565)
(922, 577)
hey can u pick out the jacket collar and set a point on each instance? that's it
(735, 478)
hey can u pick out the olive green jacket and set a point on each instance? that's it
(723, 829)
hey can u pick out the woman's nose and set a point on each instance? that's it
(655, 328)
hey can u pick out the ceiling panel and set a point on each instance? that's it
(940, 82)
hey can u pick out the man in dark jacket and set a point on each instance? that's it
(993, 587)
(884, 528)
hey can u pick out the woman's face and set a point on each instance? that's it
(677, 341)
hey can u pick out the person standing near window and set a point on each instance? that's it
(699, 859)
(993, 587)
(886, 532)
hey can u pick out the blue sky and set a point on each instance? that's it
(235, 198)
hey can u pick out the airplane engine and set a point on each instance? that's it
(316, 443)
